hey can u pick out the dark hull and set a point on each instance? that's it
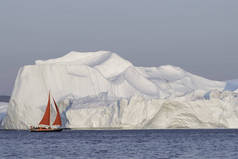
(46, 129)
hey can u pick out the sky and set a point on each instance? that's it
(200, 36)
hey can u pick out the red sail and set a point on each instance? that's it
(46, 118)
(57, 119)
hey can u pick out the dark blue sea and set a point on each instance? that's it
(120, 144)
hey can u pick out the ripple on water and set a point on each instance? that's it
(120, 144)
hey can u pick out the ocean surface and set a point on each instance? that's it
(120, 144)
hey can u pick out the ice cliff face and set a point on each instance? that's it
(102, 90)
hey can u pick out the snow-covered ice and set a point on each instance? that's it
(102, 90)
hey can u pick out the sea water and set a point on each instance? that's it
(120, 144)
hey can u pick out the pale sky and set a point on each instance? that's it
(200, 36)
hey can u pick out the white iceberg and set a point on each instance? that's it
(102, 90)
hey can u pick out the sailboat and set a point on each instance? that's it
(44, 125)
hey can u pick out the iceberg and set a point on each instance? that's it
(3, 110)
(101, 90)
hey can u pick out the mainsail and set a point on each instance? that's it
(46, 118)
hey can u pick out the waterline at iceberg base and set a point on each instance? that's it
(102, 90)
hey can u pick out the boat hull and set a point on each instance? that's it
(46, 129)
